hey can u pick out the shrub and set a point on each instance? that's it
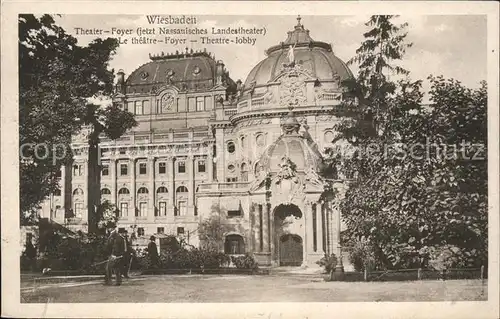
(244, 262)
(362, 256)
(328, 262)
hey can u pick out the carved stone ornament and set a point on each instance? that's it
(167, 102)
(286, 186)
(292, 89)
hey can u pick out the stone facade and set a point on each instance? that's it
(205, 145)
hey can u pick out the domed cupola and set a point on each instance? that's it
(299, 68)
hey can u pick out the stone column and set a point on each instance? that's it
(258, 227)
(309, 228)
(152, 189)
(319, 229)
(265, 228)
(327, 228)
(190, 163)
(133, 192)
(112, 171)
(171, 185)
(271, 234)
(220, 148)
(210, 164)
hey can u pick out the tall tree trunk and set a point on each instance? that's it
(94, 182)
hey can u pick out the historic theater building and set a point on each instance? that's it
(249, 153)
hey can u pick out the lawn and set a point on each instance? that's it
(233, 288)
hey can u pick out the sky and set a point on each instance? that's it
(453, 45)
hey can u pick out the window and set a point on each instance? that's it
(142, 168)
(180, 231)
(78, 192)
(233, 213)
(182, 189)
(200, 104)
(160, 230)
(57, 192)
(182, 205)
(162, 168)
(105, 191)
(78, 209)
(123, 191)
(105, 170)
(142, 190)
(123, 169)
(244, 172)
(201, 166)
(140, 231)
(123, 209)
(123, 151)
(162, 190)
(143, 206)
(121, 229)
(162, 211)
(181, 167)
(77, 170)
(139, 108)
(231, 179)
(234, 244)
(230, 147)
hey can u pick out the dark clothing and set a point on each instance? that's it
(30, 253)
(117, 246)
(153, 254)
(127, 258)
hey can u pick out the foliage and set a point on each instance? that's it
(418, 185)
(107, 216)
(328, 262)
(57, 77)
(212, 230)
(362, 256)
(244, 262)
(195, 258)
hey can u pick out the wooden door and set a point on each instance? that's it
(291, 253)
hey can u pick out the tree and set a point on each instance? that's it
(409, 198)
(56, 79)
(107, 216)
(212, 230)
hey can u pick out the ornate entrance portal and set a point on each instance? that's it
(291, 250)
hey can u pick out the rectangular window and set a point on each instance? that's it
(160, 230)
(180, 231)
(140, 231)
(123, 209)
(200, 104)
(78, 209)
(182, 205)
(142, 168)
(162, 209)
(145, 107)
(233, 213)
(181, 167)
(122, 151)
(162, 168)
(143, 206)
(105, 170)
(231, 179)
(201, 166)
(139, 109)
(77, 170)
(123, 169)
(191, 104)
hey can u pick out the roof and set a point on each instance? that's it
(315, 56)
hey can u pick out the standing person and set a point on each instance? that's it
(127, 258)
(117, 247)
(152, 253)
(30, 253)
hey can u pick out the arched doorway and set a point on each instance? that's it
(290, 250)
(288, 223)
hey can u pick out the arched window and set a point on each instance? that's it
(234, 245)
(142, 190)
(123, 191)
(182, 189)
(231, 147)
(162, 190)
(244, 172)
(105, 191)
(78, 192)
